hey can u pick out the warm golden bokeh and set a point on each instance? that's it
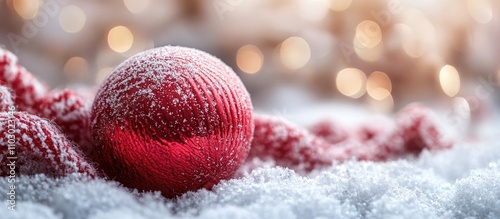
(135, 6)
(409, 40)
(295, 53)
(27, 9)
(449, 79)
(368, 54)
(312, 10)
(378, 85)
(340, 5)
(76, 68)
(249, 59)
(480, 10)
(385, 105)
(416, 33)
(120, 39)
(368, 34)
(351, 82)
(72, 19)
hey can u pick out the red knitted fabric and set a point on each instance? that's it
(26, 89)
(66, 108)
(296, 148)
(33, 145)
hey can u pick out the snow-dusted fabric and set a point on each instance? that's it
(26, 89)
(66, 108)
(71, 113)
(6, 101)
(32, 145)
(413, 131)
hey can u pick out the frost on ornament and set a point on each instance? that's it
(32, 145)
(171, 119)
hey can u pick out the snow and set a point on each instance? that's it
(463, 182)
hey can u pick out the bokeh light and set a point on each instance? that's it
(340, 5)
(449, 80)
(27, 9)
(351, 82)
(417, 33)
(249, 59)
(120, 39)
(480, 10)
(368, 54)
(72, 19)
(409, 40)
(313, 10)
(378, 85)
(462, 107)
(368, 33)
(385, 105)
(135, 6)
(295, 52)
(76, 68)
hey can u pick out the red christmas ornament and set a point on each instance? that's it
(32, 145)
(171, 119)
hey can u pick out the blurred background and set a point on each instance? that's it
(379, 54)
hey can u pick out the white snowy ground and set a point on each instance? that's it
(463, 182)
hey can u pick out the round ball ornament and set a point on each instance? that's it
(171, 119)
